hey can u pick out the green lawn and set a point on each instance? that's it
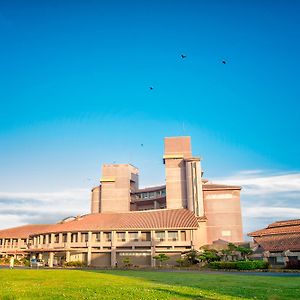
(129, 285)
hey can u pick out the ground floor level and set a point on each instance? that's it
(114, 258)
(280, 259)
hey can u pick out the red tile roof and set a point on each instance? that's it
(282, 242)
(155, 219)
(279, 236)
(21, 231)
(285, 223)
(281, 227)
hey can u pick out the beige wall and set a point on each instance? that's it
(223, 213)
(176, 149)
(95, 199)
(116, 184)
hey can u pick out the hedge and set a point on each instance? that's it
(76, 263)
(239, 265)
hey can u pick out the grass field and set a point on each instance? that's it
(129, 285)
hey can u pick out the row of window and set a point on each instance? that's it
(152, 195)
(120, 237)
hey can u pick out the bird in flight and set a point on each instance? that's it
(183, 56)
(224, 62)
(151, 88)
(142, 145)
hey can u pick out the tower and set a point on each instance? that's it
(183, 175)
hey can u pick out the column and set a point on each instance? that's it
(47, 239)
(90, 237)
(69, 234)
(68, 254)
(179, 235)
(51, 258)
(60, 238)
(153, 261)
(113, 249)
(89, 256)
(52, 238)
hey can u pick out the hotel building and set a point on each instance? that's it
(126, 221)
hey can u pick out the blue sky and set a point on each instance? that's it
(74, 93)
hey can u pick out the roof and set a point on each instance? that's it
(289, 241)
(150, 189)
(152, 219)
(205, 184)
(213, 186)
(279, 236)
(285, 223)
(21, 231)
(280, 227)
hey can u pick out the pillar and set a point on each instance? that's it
(68, 254)
(51, 258)
(153, 261)
(89, 256)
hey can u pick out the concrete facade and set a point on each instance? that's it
(117, 184)
(126, 221)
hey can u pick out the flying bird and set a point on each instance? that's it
(183, 56)
(142, 145)
(224, 62)
(151, 88)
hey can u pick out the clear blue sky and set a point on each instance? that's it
(75, 78)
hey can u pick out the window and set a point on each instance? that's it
(107, 236)
(96, 237)
(56, 238)
(133, 236)
(64, 238)
(160, 235)
(74, 238)
(151, 195)
(145, 236)
(84, 237)
(173, 235)
(280, 259)
(121, 236)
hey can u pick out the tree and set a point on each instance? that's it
(161, 257)
(127, 262)
(192, 257)
(209, 255)
(245, 252)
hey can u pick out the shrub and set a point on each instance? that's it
(161, 258)
(25, 261)
(293, 264)
(252, 265)
(182, 262)
(77, 263)
(127, 262)
(240, 265)
(209, 256)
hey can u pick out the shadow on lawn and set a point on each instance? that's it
(179, 294)
(149, 276)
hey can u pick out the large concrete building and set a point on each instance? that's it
(126, 221)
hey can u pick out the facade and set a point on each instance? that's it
(279, 243)
(126, 221)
